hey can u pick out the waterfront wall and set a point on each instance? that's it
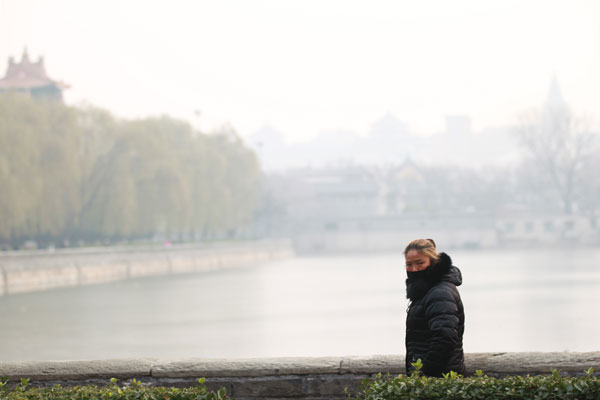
(40, 270)
(280, 378)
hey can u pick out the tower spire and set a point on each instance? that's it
(25, 56)
(555, 99)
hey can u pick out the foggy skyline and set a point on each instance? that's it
(415, 103)
(307, 67)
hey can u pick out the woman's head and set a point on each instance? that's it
(420, 254)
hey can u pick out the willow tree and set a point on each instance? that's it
(162, 187)
(39, 168)
(239, 179)
(18, 159)
(80, 173)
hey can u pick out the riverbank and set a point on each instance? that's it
(31, 271)
(306, 378)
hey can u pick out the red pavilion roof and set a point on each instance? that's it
(27, 75)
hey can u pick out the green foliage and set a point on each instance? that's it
(79, 173)
(418, 366)
(39, 171)
(133, 391)
(455, 386)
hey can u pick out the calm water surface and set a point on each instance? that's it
(541, 300)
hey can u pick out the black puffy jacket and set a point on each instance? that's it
(435, 322)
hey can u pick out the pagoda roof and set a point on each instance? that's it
(28, 75)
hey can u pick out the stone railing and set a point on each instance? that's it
(300, 378)
(32, 271)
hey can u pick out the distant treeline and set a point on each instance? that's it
(72, 174)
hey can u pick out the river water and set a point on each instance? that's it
(515, 300)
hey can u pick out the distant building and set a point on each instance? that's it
(401, 182)
(331, 194)
(30, 78)
(529, 227)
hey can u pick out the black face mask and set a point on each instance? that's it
(417, 284)
(417, 274)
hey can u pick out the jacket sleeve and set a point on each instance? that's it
(441, 310)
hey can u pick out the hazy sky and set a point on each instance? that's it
(307, 66)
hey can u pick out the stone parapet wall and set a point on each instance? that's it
(280, 378)
(32, 271)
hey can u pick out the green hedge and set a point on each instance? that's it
(133, 391)
(454, 386)
(451, 386)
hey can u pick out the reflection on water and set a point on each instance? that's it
(542, 300)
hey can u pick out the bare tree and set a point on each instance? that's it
(588, 185)
(558, 142)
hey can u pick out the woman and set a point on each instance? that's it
(435, 317)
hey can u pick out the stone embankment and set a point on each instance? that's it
(280, 378)
(32, 271)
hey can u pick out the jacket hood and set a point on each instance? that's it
(447, 271)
